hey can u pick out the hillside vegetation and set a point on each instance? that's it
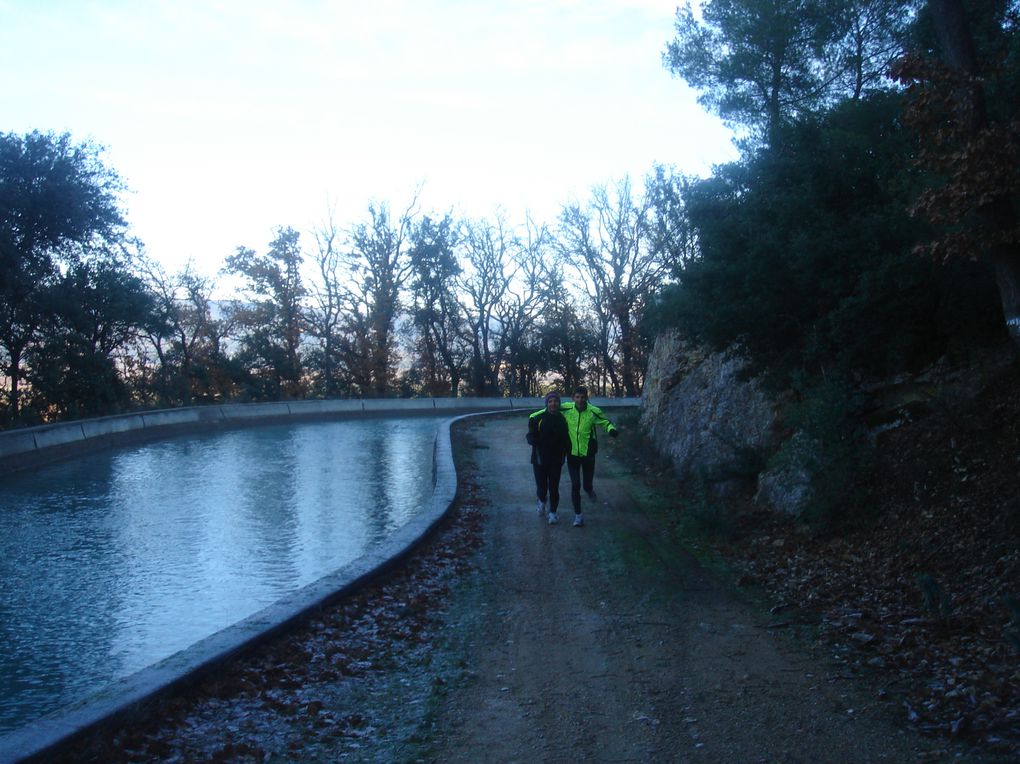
(863, 237)
(915, 582)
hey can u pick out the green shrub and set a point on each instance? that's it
(703, 514)
(833, 450)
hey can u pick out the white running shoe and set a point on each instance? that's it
(541, 507)
(578, 520)
(553, 519)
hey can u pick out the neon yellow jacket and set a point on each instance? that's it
(581, 426)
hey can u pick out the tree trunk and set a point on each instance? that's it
(15, 374)
(380, 359)
(478, 375)
(185, 369)
(450, 366)
(329, 389)
(1006, 261)
(626, 352)
(998, 216)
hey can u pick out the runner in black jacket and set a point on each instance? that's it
(550, 444)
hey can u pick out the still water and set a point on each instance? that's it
(114, 561)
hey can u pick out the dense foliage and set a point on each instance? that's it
(870, 228)
(806, 257)
(811, 249)
(763, 64)
(68, 303)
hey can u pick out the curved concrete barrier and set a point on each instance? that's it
(57, 732)
(32, 446)
(20, 449)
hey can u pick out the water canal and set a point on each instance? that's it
(113, 561)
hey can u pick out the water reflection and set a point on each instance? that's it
(112, 562)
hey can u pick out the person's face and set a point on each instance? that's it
(580, 401)
(553, 405)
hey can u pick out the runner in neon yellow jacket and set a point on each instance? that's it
(582, 419)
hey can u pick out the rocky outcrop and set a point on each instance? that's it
(724, 430)
(697, 409)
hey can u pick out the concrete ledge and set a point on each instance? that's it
(170, 417)
(305, 408)
(112, 425)
(608, 403)
(447, 404)
(402, 404)
(59, 435)
(255, 410)
(33, 446)
(17, 442)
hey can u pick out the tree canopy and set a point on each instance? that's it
(807, 258)
(761, 64)
(62, 244)
(811, 248)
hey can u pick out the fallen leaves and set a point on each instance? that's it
(927, 596)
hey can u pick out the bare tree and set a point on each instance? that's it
(377, 267)
(186, 327)
(326, 312)
(521, 306)
(486, 279)
(566, 340)
(437, 318)
(611, 243)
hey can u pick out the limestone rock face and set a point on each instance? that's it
(727, 433)
(699, 412)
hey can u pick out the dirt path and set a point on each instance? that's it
(607, 644)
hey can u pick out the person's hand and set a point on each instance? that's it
(613, 433)
(530, 437)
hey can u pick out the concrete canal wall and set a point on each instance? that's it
(32, 446)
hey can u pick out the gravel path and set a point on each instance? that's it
(607, 643)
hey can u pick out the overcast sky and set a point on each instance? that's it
(228, 118)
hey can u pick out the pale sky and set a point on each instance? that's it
(227, 118)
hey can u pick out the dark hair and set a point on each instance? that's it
(581, 389)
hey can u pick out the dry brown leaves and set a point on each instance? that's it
(926, 599)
